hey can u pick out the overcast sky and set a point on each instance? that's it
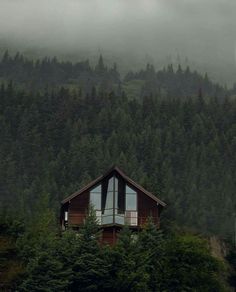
(202, 30)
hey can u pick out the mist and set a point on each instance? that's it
(201, 33)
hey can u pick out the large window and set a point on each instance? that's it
(96, 201)
(108, 198)
(114, 202)
(119, 202)
(130, 199)
(131, 214)
(95, 198)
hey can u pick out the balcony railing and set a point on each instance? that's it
(116, 216)
(110, 216)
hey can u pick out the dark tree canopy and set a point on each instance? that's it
(63, 124)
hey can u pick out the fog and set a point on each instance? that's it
(159, 31)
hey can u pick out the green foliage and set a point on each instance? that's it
(144, 261)
(231, 257)
(152, 244)
(90, 270)
(176, 137)
(71, 262)
(46, 273)
(182, 149)
(40, 231)
(129, 270)
(188, 265)
(89, 233)
(11, 265)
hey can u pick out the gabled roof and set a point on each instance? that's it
(124, 176)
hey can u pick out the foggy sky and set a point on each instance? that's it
(204, 31)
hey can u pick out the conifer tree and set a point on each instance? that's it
(129, 267)
(90, 269)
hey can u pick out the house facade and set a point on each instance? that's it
(117, 200)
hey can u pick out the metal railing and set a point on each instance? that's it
(111, 216)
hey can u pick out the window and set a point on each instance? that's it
(130, 199)
(95, 197)
(131, 214)
(108, 196)
(96, 201)
(114, 202)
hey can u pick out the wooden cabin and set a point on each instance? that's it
(117, 200)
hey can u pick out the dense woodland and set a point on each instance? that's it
(63, 124)
(151, 260)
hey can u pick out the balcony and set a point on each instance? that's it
(114, 216)
(108, 217)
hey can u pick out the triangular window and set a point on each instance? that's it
(115, 202)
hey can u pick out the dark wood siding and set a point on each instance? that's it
(78, 207)
(147, 207)
(107, 236)
(110, 235)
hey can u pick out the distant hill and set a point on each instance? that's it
(50, 72)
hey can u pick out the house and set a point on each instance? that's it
(117, 200)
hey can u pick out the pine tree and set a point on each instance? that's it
(129, 266)
(151, 243)
(90, 270)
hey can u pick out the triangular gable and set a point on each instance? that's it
(124, 176)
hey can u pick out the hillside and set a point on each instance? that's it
(50, 72)
(63, 124)
(55, 139)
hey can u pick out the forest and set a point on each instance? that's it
(63, 124)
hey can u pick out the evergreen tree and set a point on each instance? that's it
(129, 270)
(90, 270)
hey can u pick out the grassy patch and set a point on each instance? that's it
(133, 88)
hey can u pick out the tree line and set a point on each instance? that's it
(150, 260)
(53, 73)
